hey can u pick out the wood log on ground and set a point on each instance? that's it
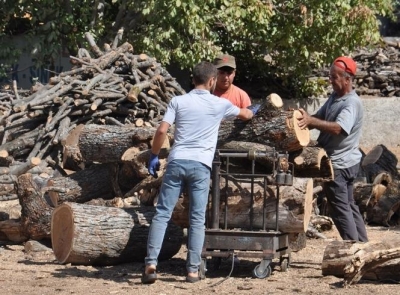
(98, 181)
(35, 212)
(295, 206)
(12, 230)
(311, 161)
(379, 160)
(272, 128)
(354, 261)
(96, 235)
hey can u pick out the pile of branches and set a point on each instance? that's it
(109, 87)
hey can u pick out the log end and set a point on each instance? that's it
(303, 135)
(275, 100)
(62, 232)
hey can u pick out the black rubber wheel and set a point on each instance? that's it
(260, 273)
(203, 269)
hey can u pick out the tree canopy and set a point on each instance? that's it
(275, 41)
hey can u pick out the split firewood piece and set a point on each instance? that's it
(84, 185)
(35, 212)
(312, 162)
(354, 261)
(295, 206)
(105, 143)
(272, 128)
(386, 210)
(96, 235)
(379, 160)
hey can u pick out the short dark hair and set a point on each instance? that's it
(203, 72)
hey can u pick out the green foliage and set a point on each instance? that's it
(274, 42)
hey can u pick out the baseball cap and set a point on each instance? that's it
(347, 64)
(225, 60)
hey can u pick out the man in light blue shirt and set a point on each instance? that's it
(340, 121)
(197, 116)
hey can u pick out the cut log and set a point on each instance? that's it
(94, 182)
(11, 230)
(311, 162)
(379, 160)
(96, 235)
(353, 261)
(274, 128)
(295, 206)
(107, 143)
(35, 212)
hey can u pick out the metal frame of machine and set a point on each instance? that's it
(266, 243)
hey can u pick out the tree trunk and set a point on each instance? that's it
(96, 235)
(353, 261)
(273, 127)
(295, 205)
(35, 212)
(98, 181)
(106, 143)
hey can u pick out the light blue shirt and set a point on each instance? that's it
(347, 111)
(197, 116)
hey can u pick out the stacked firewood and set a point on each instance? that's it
(378, 71)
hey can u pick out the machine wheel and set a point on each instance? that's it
(284, 264)
(262, 270)
(203, 268)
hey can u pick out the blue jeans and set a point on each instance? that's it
(181, 174)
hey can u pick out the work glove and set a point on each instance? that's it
(154, 165)
(254, 108)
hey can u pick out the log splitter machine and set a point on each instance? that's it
(265, 243)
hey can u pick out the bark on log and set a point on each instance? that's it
(274, 128)
(35, 212)
(379, 160)
(107, 143)
(295, 206)
(353, 261)
(85, 185)
(96, 235)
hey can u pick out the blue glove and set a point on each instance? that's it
(254, 108)
(154, 165)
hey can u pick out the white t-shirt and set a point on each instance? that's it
(197, 116)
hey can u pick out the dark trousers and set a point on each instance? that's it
(344, 211)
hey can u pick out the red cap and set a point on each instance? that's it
(347, 64)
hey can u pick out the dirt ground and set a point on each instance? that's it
(23, 272)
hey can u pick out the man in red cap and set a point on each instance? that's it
(339, 121)
(226, 66)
